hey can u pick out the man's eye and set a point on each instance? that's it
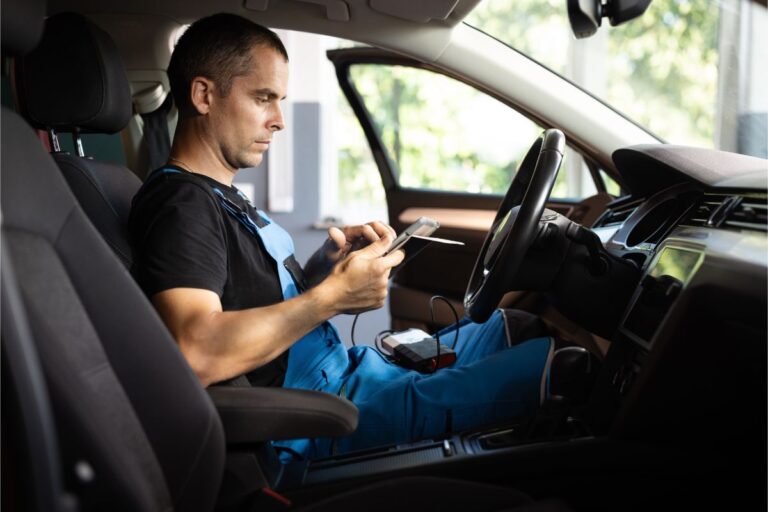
(262, 100)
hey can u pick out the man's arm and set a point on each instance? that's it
(219, 345)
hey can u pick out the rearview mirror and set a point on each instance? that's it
(586, 15)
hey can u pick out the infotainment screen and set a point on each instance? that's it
(656, 295)
(676, 262)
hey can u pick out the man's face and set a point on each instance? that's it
(244, 121)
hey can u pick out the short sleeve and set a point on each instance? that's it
(179, 239)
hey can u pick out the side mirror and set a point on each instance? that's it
(586, 15)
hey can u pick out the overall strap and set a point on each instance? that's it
(276, 240)
(234, 210)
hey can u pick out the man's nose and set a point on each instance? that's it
(277, 122)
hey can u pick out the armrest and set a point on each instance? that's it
(252, 415)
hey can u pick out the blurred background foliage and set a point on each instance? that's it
(660, 69)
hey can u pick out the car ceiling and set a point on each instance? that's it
(385, 23)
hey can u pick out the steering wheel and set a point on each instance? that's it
(515, 226)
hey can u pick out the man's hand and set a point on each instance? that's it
(352, 238)
(339, 244)
(359, 282)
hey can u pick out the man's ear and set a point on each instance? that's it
(201, 94)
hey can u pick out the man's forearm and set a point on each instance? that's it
(224, 344)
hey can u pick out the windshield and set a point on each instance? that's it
(692, 72)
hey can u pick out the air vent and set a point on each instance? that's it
(703, 211)
(749, 213)
(734, 211)
(618, 213)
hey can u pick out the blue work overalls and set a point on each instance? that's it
(490, 381)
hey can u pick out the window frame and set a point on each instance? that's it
(343, 59)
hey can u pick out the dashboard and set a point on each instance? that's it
(689, 354)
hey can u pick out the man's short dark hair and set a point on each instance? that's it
(217, 47)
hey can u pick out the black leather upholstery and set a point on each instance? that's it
(74, 78)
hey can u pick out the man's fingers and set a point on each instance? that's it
(377, 248)
(362, 231)
(394, 259)
(371, 231)
(382, 229)
(369, 234)
(385, 263)
(336, 236)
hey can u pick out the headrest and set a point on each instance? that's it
(74, 79)
(22, 24)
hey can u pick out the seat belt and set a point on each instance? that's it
(156, 137)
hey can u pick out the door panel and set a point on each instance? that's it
(438, 269)
(440, 155)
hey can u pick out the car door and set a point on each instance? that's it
(446, 150)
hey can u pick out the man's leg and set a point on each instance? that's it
(399, 405)
(411, 405)
(505, 328)
(316, 361)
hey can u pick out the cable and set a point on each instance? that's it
(377, 343)
(455, 316)
(376, 340)
(296, 455)
(352, 331)
(437, 333)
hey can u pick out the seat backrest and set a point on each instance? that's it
(126, 402)
(74, 81)
(135, 429)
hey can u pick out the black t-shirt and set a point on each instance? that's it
(183, 238)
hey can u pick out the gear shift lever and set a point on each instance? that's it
(571, 375)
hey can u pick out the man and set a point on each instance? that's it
(223, 278)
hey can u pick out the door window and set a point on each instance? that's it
(442, 134)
